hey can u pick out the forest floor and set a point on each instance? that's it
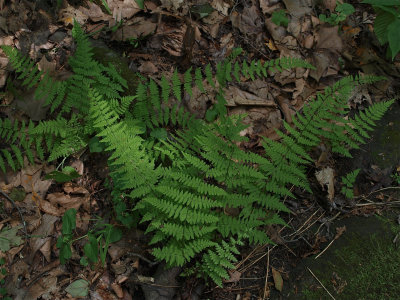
(173, 34)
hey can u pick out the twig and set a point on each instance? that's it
(19, 212)
(321, 283)
(377, 191)
(326, 248)
(151, 263)
(266, 277)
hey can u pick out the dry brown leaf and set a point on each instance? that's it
(46, 66)
(117, 290)
(278, 281)
(340, 231)
(30, 180)
(148, 67)
(72, 188)
(220, 6)
(46, 250)
(235, 96)
(268, 6)
(69, 14)
(328, 38)
(42, 234)
(299, 8)
(14, 251)
(326, 177)
(94, 12)
(66, 201)
(45, 285)
(330, 4)
(138, 27)
(234, 276)
(50, 209)
(19, 268)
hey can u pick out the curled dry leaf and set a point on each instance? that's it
(66, 201)
(117, 290)
(326, 177)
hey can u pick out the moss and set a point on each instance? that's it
(365, 268)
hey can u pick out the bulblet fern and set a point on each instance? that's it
(181, 175)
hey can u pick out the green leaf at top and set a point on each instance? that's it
(382, 2)
(394, 37)
(79, 288)
(345, 8)
(91, 249)
(67, 174)
(381, 24)
(69, 221)
(114, 234)
(279, 18)
(140, 3)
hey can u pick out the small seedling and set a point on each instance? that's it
(396, 178)
(342, 11)
(99, 240)
(279, 18)
(348, 181)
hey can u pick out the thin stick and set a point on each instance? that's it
(266, 277)
(322, 252)
(321, 283)
(19, 211)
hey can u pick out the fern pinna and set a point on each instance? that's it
(199, 194)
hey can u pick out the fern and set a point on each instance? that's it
(199, 194)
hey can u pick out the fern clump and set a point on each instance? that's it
(199, 194)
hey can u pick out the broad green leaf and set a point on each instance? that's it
(394, 37)
(69, 221)
(115, 234)
(9, 238)
(345, 8)
(79, 288)
(67, 174)
(95, 146)
(381, 24)
(91, 249)
(65, 252)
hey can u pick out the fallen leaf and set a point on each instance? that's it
(234, 276)
(50, 209)
(148, 67)
(45, 285)
(42, 234)
(79, 288)
(139, 27)
(9, 238)
(299, 8)
(340, 231)
(278, 281)
(46, 250)
(326, 177)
